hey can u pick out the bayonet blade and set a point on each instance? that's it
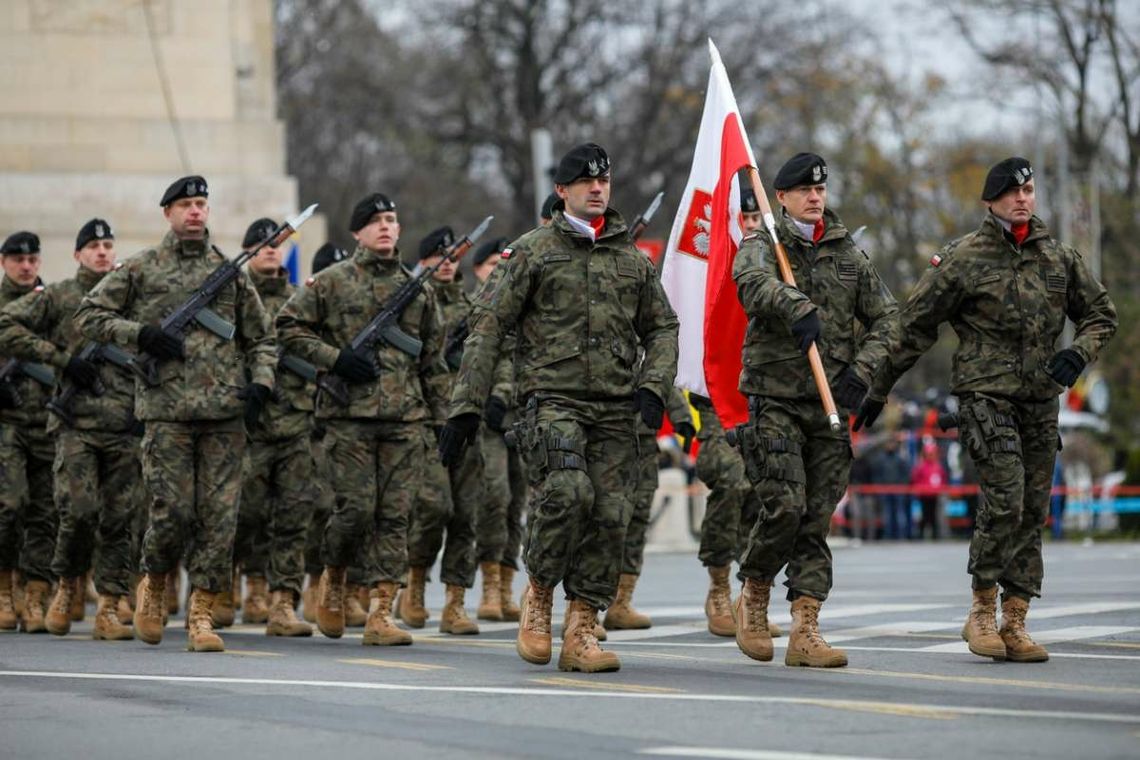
(656, 204)
(296, 222)
(477, 233)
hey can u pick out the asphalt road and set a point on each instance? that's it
(911, 690)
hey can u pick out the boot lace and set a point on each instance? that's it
(538, 619)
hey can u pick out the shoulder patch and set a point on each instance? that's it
(936, 260)
(506, 254)
(310, 280)
(118, 265)
(38, 289)
(754, 235)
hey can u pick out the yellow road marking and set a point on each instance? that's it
(887, 708)
(466, 642)
(1116, 644)
(253, 653)
(1053, 685)
(398, 664)
(606, 686)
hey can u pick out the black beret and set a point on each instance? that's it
(436, 241)
(257, 232)
(548, 206)
(585, 160)
(801, 169)
(96, 229)
(748, 202)
(489, 249)
(186, 187)
(327, 255)
(366, 208)
(1012, 172)
(21, 242)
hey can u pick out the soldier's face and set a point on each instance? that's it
(267, 261)
(446, 271)
(97, 255)
(22, 268)
(586, 198)
(804, 202)
(483, 271)
(380, 234)
(751, 221)
(1015, 205)
(188, 217)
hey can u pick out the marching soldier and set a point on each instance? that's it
(787, 435)
(582, 299)
(1006, 289)
(208, 391)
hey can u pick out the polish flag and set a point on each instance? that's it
(697, 273)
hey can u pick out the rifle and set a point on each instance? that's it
(384, 326)
(41, 373)
(196, 308)
(96, 353)
(309, 372)
(639, 224)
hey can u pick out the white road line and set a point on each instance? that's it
(831, 610)
(841, 704)
(1045, 612)
(723, 753)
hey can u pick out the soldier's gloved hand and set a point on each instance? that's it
(494, 412)
(159, 344)
(1065, 367)
(806, 330)
(256, 396)
(457, 433)
(137, 428)
(867, 413)
(9, 396)
(651, 408)
(81, 372)
(353, 367)
(850, 390)
(687, 433)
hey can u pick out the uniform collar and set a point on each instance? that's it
(187, 248)
(88, 278)
(269, 283)
(12, 288)
(374, 262)
(615, 226)
(833, 229)
(993, 229)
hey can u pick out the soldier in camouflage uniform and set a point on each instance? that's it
(195, 436)
(376, 443)
(1005, 289)
(787, 435)
(96, 449)
(28, 517)
(583, 300)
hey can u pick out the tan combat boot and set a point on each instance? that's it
(282, 620)
(78, 609)
(410, 607)
(108, 627)
(91, 594)
(355, 612)
(980, 631)
(511, 610)
(621, 615)
(330, 602)
(806, 646)
(309, 599)
(718, 603)
(58, 618)
(599, 629)
(454, 618)
(381, 630)
(8, 617)
(580, 650)
(1019, 647)
(491, 605)
(222, 612)
(150, 608)
(533, 642)
(255, 607)
(19, 585)
(173, 590)
(123, 609)
(752, 636)
(35, 603)
(201, 637)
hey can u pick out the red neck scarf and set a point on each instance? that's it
(817, 232)
(599, 224)
(1019, 232)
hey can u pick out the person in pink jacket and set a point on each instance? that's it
(928, 478)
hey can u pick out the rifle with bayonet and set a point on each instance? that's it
(96, 353)
(385, 325)
(309, 372)
(637, 229)
(197, 307)
(41, 373)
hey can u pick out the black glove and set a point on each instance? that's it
(493, 412)
(457, 433)
(687, 433)
(850, 390)
(652, 409)
(1065, 367)
(137, 428)
(159, 344)
(867, 413)
(9, 397)
(81, 372)
(256, 396)
(354, 368)
(806, 330)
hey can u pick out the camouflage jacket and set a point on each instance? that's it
(834, 278)
(289, 414)
(1007, 306)
(454, 306)
(337, 304)
(711, 426)
(148, 286)
(581, 310)
(38, 327)
(31, 412)
(676, 409)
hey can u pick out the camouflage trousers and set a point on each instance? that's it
(581, 457)
(499, 520)
(448, 502)
(28, 517)
(276, 509)
(324, 497)
(193, 476)
(642, 499)
(1014, 445)
(783, 440)
(377, 468)
(98, 481)
(516, 510)
(731, 508)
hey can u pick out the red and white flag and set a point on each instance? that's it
(697, 271)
